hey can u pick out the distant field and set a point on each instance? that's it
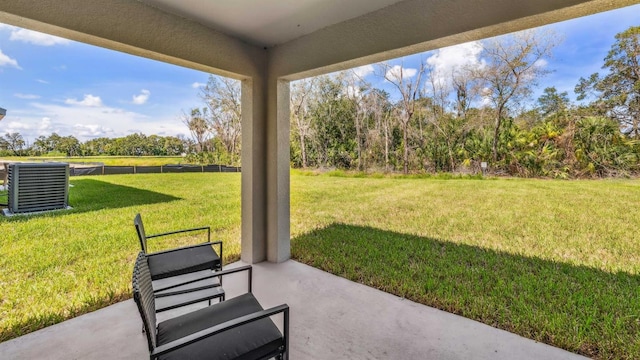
(555, 261)
(106, 160)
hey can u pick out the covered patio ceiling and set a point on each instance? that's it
(269, 23)
(266, 44)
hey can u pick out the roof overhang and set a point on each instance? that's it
(290, 38)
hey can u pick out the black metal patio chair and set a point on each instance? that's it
(238, 328)
(183, 290)
(183, 260)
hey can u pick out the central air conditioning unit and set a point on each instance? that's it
(35, 187)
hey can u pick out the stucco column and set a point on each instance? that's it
(265, 170)
(254, 199)
(278, 199)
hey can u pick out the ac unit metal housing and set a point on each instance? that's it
(35, 187)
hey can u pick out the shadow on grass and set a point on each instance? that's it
(581, 309)
(91, 195)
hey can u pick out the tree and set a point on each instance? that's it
(98, 146)
(381, 111)
(301, 103)
(333, 140)
(198, 126)
(357, 92)
(553, 104)
(618, 92)
(408, 82)
(173, 146)
(222, 96)
(513, 66)
(69, 145)
(13, 142)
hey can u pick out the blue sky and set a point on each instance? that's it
(49, 84)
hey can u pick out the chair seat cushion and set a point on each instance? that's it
(182, 261)
(254, 340)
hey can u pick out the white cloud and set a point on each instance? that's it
(87, 123)
(197, 85)
(541, 63)
(42, 81)
(363, 71)
(448, 61)
(397, 72)
(142, 98)
(45, 127)
(14, 126)
(36, 38)
(45, 124)
(91, 131)
(89, 100)
(26, 96)
(5, 60)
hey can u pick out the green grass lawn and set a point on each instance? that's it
(57, 265)
(556, 261)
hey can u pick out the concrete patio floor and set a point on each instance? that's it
(331, 318)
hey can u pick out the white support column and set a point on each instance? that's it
(265, 171)
(254, 199)
(278, 199)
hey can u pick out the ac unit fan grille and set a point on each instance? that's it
(38, 187)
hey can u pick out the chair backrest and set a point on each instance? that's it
(142, 236)
(143, 296)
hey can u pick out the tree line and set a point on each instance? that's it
(214, 128)
(13, 144)
(482, 112)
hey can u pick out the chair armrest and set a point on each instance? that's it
(179, 248)
(218, 242)
(227, 325)
(208, 228)
(216, 274)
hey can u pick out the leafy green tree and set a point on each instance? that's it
(618, 92)
(13, 143)
(333, 143)
(553, 105)
(173, 146)
(68, 145)
(200, 129)
(40, 145)
(97, 146)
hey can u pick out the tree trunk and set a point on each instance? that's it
(386, 148)
(359, 143)
(303, 149)
(405, 138)
(494, 145)
(496, 133)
